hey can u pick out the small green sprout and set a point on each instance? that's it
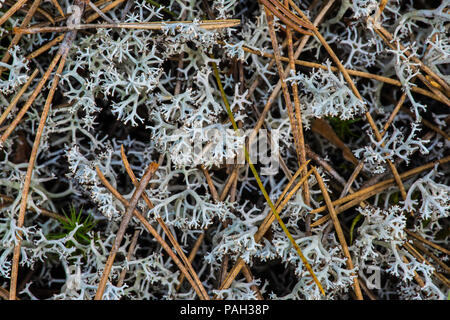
(73, 220)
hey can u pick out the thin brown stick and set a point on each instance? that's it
(380, 10)
(416, 275)
(4, 294)
(339, 232)
(348, 184)
(427, 124)
(60, 18)
(152, 231)
(215, 195)
(99, 12)
(210, 183)
(191, 257)
(298, 116)
(287, 19)
(40, 210)
(366, 290)
(391, 118)
(27, 7)
(248, 274)
(324, 164)
(58, 7)
(389, 39)
(284, 88)
(277, 88)
(17, 97)
(420, 258)
(229, 183)
(249, 277)
(122, 228)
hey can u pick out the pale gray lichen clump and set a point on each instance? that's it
(155, 93)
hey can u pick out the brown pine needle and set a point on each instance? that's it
(30, 100)
(261, 186)
(191, 257)
(247, 272)
(389, 39)
(287, 16)
(100, 13)
(107, 8)
(427, 124)
(298, 116)
(357, 73)
(421, 259)
(263, 228)
(40, 210)
(427, 242)
(374, 189)
(427, 252)
(60, 10)
(163, 225)
(339, 232)
(45, 47)
(204, 24)
(129, 256)
(228, 184)
(123, 225)
(284, 88)
(352, 85)
(15, 40)
(277, 88)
